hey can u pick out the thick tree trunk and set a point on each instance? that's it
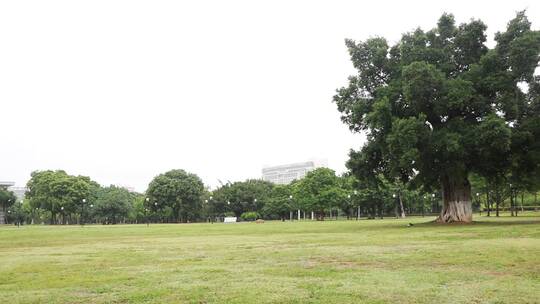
(457, 205)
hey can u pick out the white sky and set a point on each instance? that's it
(124, 90)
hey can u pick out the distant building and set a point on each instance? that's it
(285, 174)
(19, 192)
(128, 188)
(5, 185)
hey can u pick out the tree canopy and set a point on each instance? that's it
(319, 190)
(178, 190)
(113, 204)
(59, 192)
(440, 105)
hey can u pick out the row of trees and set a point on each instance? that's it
(56, 197)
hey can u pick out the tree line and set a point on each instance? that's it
(446, 117)
(55, 197)
(177, 196)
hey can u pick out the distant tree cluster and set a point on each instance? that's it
(176, 196)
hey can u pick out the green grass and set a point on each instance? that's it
(377, 261)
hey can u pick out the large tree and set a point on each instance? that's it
(242, 196)
(439, 105)
(279, 202)
(59, 192)
(113, 204)
(318, 191)
(179, 190)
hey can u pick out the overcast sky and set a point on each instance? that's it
(124, 90)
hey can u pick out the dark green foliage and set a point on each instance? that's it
(278, 205)
(318, 191)
(250, 216)
(113, 204)
(7, 198)
(240, 197)
(60, 193)
(176, 193)
(440, 105)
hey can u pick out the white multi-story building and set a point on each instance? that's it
(284, 174)
(19, 191)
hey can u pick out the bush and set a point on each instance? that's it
(249, 216)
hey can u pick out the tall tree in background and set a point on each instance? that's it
(439, 105)
(59, 192)
(278, 205)
(318, 191)
(179, 190)
(113, 204)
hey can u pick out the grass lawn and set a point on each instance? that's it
(376, 261)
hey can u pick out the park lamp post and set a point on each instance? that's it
(358, 207)
(478, 201)
(395, 202)
(423, 203)
(82, 211)
(212, 217)
(290, 206)
(146, 211)
(350, 201)
(156, 207)
(91, 207)
(63, 216)
(206, 203)
(9, 211)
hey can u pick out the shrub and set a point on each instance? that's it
(249, 216)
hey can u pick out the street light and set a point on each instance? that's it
(478, 201)
(82, 211)
(156, 205)
(211, 208)
(358, 207)
(146, 211)
(290, 206)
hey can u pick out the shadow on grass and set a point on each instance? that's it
(481, 223)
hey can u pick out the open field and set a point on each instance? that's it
(377, 261)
